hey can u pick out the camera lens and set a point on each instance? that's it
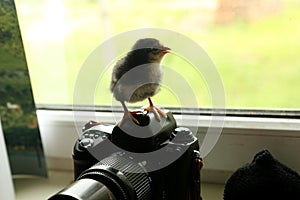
(85, 189)
(116, 177)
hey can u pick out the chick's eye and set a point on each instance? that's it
(155, 51)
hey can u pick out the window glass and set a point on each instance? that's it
(254, 45)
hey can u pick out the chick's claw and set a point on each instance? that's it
(134, 119)
(129, 115)
(157, 112)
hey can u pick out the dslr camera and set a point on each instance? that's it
(155, 160)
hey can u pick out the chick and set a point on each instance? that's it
(138, 75)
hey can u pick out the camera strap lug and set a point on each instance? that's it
(198, 165)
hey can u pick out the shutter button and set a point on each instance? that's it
(86, 142)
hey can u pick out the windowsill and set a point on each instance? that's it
(27, 188)
(189, 120)
(240, 140)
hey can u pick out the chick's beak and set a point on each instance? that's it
(165, 50)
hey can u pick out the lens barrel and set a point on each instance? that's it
(85, 189)
(116, 177)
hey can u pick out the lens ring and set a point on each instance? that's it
(108, 181)
(114, 172)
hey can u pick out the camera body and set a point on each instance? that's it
(160, 161)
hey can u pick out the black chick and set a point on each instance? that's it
(137, 76)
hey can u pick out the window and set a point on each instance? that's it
(254, 45)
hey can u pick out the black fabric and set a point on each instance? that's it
(264, 178)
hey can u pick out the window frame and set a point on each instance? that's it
(273, 119)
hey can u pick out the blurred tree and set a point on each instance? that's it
(9, 29)
(15, 85)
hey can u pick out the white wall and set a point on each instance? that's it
(6, 184)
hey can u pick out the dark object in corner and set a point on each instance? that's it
(264, 178)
